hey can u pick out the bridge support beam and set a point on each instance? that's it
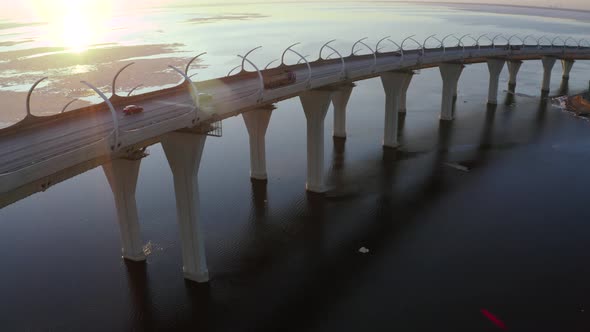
(184, 151)
(450, 74)
(567, 66)
(257, 123)
(513, 68)
(548, 63)
(340, 101)
(315, 105)
(122, 175)
(393, 84)
(495, 67)
(402, 101)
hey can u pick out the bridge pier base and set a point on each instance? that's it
(393, 84)
(567, 66)
(548, 63)
(340, 101)
(257, 123)
(315, 105)
(122, 175)
(402, 101)
(513, 68)
(184, 151)
(495, 67)
(450, 74)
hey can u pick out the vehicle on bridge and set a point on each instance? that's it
(513, 47)
(279, 78)
(132, 109)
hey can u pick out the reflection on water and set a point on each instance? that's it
(564, 87)
(509, 235)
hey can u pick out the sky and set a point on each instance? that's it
(39, 9)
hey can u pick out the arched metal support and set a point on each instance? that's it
(581, 41)
(460, 41)
(541, 38)
(246, 56)
(496, 37)
(377, 48)
(356, 43)
(287, 50)
(31, 92)
(485, 35)
(192, 87)
(304, 57)
(268, 64)
(431, 37)
(114, 84)
(260, 78)
(525, 38)
(412, 39)
(324, 46)
(361, 41)
(335, 51)
(290, 49)
(517, 37)
(445, 38)
(134, 88)
(330, 55)
(566, 40)
(400, 49)
(470, 37)
(68, 104)
(188, 65)
(232, 70)
(556, 38)
(116, 144)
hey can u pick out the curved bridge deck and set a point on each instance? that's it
(38, 147)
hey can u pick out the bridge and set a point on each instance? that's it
(39, 152)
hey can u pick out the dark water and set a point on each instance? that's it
(510, 236)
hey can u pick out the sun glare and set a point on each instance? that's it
(74, 24)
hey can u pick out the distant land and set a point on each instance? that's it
(574, 5)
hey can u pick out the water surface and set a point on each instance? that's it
(510, 235)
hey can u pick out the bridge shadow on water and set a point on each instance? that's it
(307, 273)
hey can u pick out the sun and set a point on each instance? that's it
(74, 24)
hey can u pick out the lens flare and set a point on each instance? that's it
(74, 24)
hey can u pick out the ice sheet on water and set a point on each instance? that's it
(520, 94)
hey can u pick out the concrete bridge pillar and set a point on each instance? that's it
(450, 74)
(513, 68)
(257, 123)
(495, 67)
(393, 84)
(340, 100)
(402, 102)
(567, 68)
(548, 63)
(315, 105)
(184, 151)
(122, 175)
